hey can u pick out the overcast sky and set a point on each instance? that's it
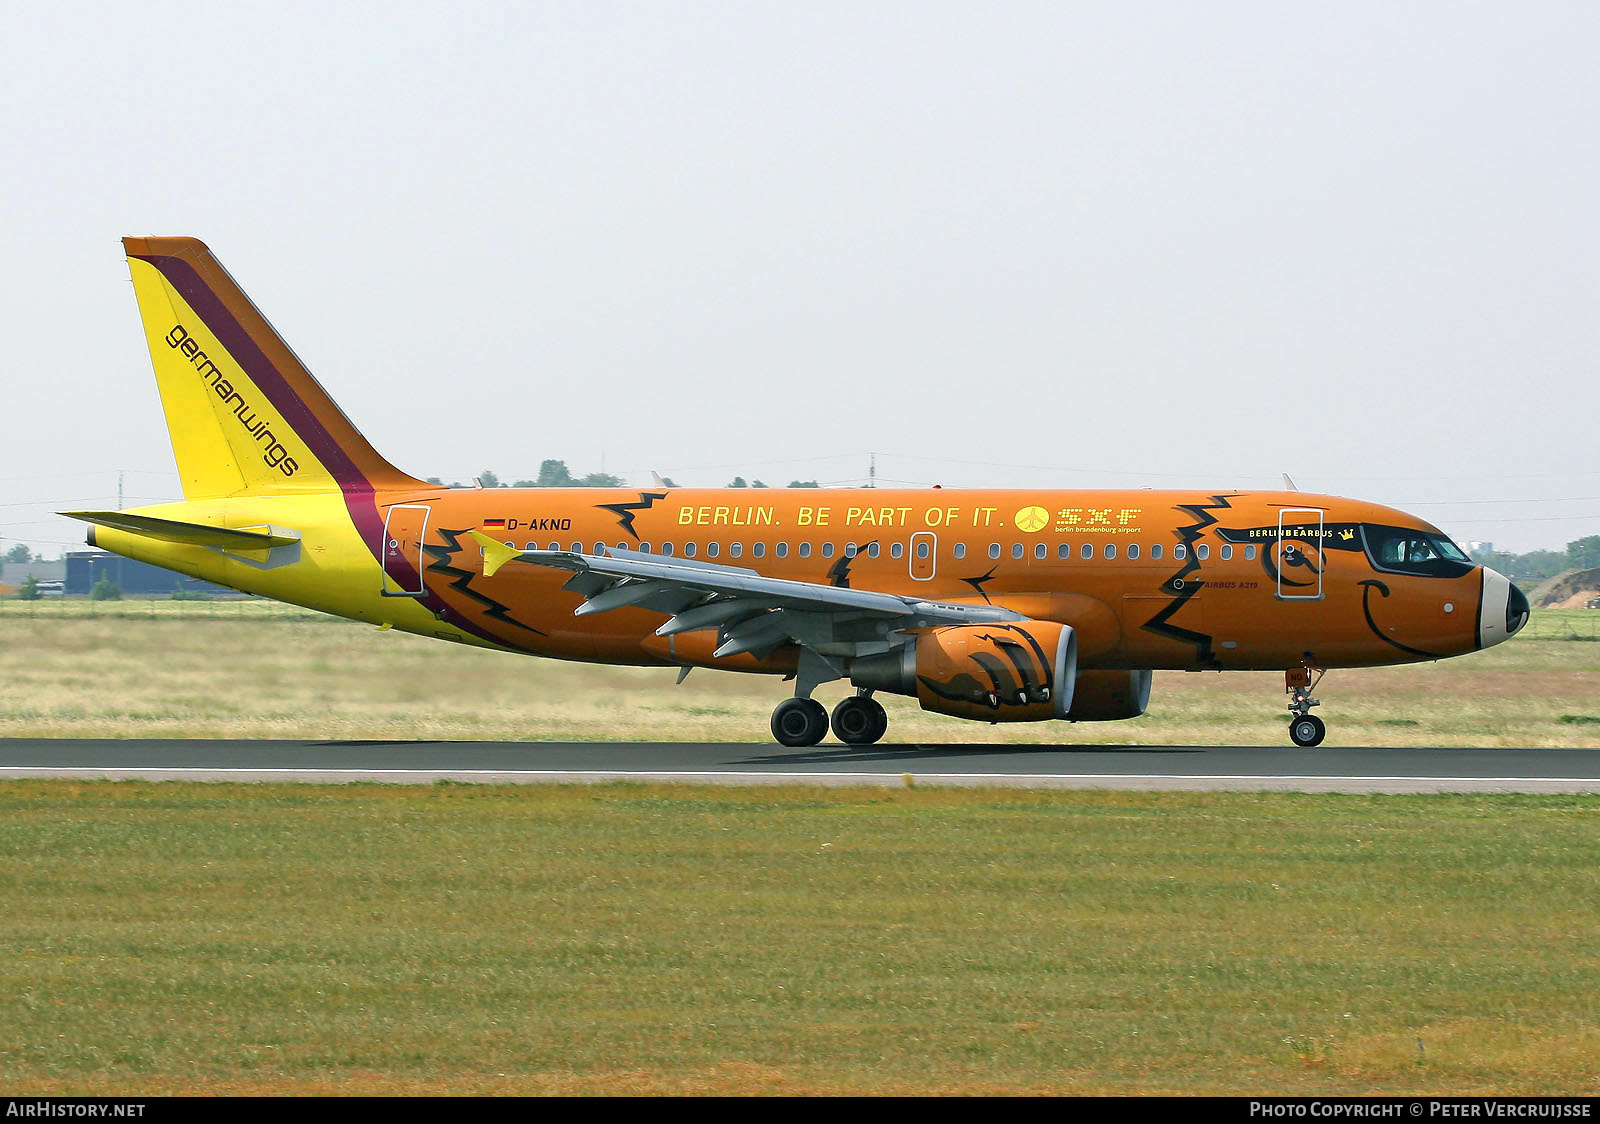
(1055, 245)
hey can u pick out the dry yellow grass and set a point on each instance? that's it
(223, 670)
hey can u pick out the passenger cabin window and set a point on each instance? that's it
(994, 550)
(897, 549)
(959, 550)
(1227, 552)
(688, 550)
(922, 550)
(872, 550)
(1111, 550)
(849, 550)
(827, 550)
(759, 550)
(1202, 552)
(1155, 550)
(805, 550)
(735, 549)
(1016, 550)
(1401, 550)
(712, 549)
(666, 550)
(1250, 552)
(1063, 551)
(782, 550)
(1086, 551)
(1039, 550)
(1178, 551)
(1133, 550)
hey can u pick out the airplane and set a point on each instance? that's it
(988, 605)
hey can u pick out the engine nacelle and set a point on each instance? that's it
(1101, 696)
(1018, 672)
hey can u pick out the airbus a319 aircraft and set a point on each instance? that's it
(999, 606)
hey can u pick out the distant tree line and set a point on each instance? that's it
(555, 474)
(552, 474)
(1537, 565)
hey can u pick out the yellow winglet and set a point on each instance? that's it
(495, 554)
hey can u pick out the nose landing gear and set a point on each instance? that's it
(1305, 729)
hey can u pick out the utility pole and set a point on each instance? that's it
(872, 471)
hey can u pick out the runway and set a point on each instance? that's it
(1324, 769)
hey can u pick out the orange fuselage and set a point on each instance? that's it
(1149, 579)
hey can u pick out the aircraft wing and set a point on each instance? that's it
(751, 612)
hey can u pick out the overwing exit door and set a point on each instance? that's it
(924, 555)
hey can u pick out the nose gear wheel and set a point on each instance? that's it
(1305, 729)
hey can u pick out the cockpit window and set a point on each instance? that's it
(1403, 550)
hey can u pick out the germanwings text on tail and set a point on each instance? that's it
(998, 606)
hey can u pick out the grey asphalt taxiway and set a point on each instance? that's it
(1324, 769)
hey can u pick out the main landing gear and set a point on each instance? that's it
(857, 720)
(798, 722)
(1305, 729)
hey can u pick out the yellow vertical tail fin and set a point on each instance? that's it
(244, 414)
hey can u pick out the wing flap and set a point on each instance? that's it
(700, 595)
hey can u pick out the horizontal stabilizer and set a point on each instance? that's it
(192, 534)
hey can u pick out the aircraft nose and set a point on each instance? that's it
(1502, 609)
(1517, 611)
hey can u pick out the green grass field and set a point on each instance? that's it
(620, 939)
(281, 939)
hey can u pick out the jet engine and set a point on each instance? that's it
(1100, 696)
(1017, 672)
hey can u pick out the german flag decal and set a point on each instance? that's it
(500, 523)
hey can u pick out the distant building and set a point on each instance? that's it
(13, 574)
(83, 568)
